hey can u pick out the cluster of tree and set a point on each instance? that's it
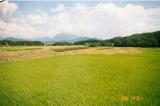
(83, 42)
(137, 40)
(19, 43)
(93, 43)
(62, 44)
(151, 39)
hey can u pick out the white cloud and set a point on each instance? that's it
(104, 20)
(7, 8)
(35, 19)
(59, 8)
(17, 29)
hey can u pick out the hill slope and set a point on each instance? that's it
(150, 39)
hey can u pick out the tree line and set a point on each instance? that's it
(151, 39)
(93, 43)
(19, 43)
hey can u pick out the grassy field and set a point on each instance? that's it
(83, 80)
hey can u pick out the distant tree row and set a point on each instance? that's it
(19, 43)
(93, 43)
(138, 40)
(151, 39)
(62, 44)
(89, 41)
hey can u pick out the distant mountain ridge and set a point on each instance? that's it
(65, 37)
(12, 39)
(62, 37)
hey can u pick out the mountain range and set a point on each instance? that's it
(12, 39)
(147, 39)
(62, 37)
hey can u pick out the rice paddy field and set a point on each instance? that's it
(83, 79)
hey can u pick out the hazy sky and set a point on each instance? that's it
(101, 19)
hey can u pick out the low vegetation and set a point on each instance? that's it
(69, 48)
(62, 44)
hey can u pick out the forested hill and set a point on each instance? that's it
(151, 39)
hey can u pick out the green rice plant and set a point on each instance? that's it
(83, 80)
